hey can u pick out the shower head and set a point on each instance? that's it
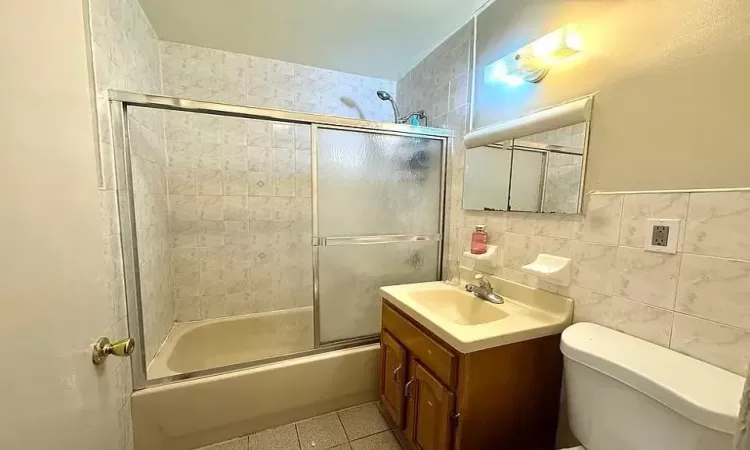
(384, 96)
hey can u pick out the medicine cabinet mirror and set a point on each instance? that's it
(536, 163)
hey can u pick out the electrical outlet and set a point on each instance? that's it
(662, 235)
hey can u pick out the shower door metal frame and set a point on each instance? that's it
(120, 101)
(370, 240)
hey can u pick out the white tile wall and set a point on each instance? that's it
(215, 190)
(213, 75)
(239, 190)
(240, 215)
(126, 56)
(696, 302)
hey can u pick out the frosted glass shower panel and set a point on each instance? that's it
(376, 184)
(351, 277)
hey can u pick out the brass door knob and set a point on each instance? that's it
(103, 348)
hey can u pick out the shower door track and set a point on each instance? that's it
(120, 101)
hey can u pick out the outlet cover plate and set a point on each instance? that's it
(662, 235)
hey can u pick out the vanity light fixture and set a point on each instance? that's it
(532, 62)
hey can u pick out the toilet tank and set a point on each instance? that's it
(624, 393)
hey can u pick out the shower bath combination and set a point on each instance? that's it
(386, 97)
(275, 302)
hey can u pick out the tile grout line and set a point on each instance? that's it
(726, 325)
(674, 300)
(296, 431)
(338, 416)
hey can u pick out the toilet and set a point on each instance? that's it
(624, 393)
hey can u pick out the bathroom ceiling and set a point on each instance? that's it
(377, 38)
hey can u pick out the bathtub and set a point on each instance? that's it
(201, 411)
(207, 344)
(193, 413)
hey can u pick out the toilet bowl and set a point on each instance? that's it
(624, 393)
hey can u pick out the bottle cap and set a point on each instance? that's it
(479, 227)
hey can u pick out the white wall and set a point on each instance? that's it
(55, 261)
(670, 77)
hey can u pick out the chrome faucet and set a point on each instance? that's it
(483, 290)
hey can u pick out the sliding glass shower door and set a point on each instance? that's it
(377, 223)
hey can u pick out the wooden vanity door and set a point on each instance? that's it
(393, 377)
(428, 422)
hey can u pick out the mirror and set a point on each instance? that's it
(486, 176)
(541, 172)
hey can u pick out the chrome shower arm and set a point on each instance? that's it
(419, 114)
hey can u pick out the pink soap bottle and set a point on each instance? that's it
(479, 240)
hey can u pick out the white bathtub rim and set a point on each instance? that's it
(215, 378)
(158, 365)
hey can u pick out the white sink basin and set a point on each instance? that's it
(459, 307)
(469, 324)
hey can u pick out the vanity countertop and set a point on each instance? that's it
(469, 324)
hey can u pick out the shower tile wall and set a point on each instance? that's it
(149, 169)
(694, 302)
(441, 85)
(267, 204)
(239, 190)
(563, 182)
(125, 53)
(214, 75)
(240, 206)
(563, 171)
(126, 57)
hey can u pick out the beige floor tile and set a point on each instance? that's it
(362, 420)
(380, 441)
(342, 447)
(281, 438)
(321, 432)
(234, 444)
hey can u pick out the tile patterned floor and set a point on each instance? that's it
(359, 428)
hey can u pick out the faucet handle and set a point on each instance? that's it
(482, 281)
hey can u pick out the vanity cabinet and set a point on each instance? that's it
(393, 373)
(437, 398)
(430, 409)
